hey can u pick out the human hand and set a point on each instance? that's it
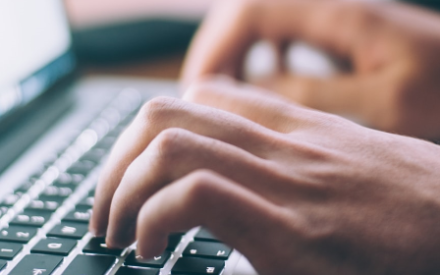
(392, 49)
(295, 190)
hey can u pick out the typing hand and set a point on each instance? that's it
(295, 190)
(391, 48)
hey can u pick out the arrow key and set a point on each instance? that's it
(207, 250)
(157, 262)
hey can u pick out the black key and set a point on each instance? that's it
(37, 173)
(198, 266)
(136, 271)
(57, 192)
(68, 180)
(207, 250)
(3, 264)
(85, 203)
(56, 199)
(10, 200)
(78, 215)
(173, 241)
(9, 250)
(54, 246)
(35, 218)
(17, 234)
(69, 230)
(24, 187)
(157, 262)
(82, 167)
(90, 265)
(206, 236)
(106, 143)
(37, 265)
(48, 205)
(94, 155)
(98, 246)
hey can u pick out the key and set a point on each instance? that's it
(69, 230)
(85, 203)
(157, 262)
(206, 236)
(10, 200)
(82, 167)
(90, 265)
(207, 250)
(24, 187)
(3, 264)
(54, 246)
(35, 218)
(98, 246)
(37, 265)
(94, 155)
(106, 143)
(48, 205)
(55, 191)
(68, 180)
(174, 240)
(17, 234)
(81, 216)
(136, 271)
(198, 266)
(9, 250)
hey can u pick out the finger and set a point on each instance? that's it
(236, 215)
(336, 26)
(160, 114)
(225, 30)
(174, 154)
(261, 106)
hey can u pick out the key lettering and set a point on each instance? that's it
(68, 230)
(22, 234)
(54, 245)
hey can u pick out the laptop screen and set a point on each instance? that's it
(34, 50)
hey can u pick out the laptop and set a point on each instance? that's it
(55, 133)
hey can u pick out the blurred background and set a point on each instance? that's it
(141, 38)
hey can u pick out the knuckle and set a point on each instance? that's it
(171, 143)
(200, 188)
(157, 107)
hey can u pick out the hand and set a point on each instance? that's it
(295, 190)
(392, 49)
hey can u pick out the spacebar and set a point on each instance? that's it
(90, 265)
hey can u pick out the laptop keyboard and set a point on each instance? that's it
(44, 222)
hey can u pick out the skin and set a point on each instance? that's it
(390, 51)
(295, 190)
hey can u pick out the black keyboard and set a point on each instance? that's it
(45, 220)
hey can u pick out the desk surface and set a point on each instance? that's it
(164, 68)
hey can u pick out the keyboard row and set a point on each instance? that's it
(204, 255)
